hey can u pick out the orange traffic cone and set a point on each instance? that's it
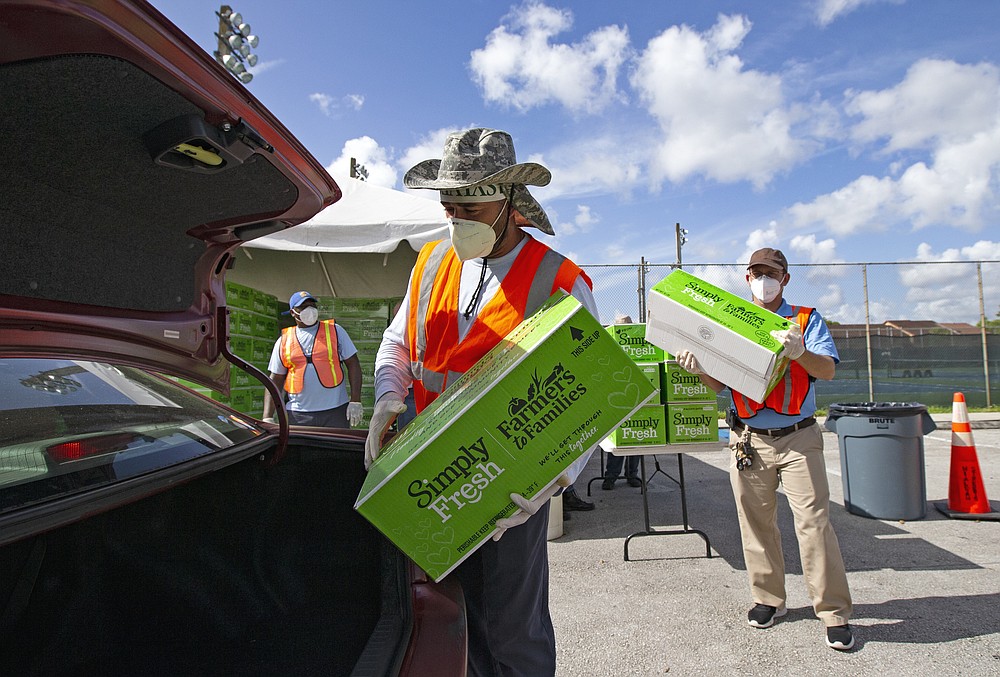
(966, 492)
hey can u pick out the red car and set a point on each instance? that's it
(145, 529)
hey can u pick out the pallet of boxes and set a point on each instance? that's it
(685, 412)
(364, 320)
(253, 329)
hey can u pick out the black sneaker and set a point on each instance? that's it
(608, 484)
(763, 615)
(634, 482)
(839, 637)
(574, 502)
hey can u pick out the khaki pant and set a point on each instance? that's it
(796, 461)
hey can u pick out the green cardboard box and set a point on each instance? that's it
(632, 339)
(550, 391)
(692, 422)
(239, 296)
(644, 428)
(682, 386)
(654, 372)
(340, 307)
(729, 335)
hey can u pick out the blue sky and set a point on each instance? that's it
(836, 130)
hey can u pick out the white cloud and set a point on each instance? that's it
(603, 164)
(983, 250)
(860, 205)
(329, 104)
(581, 223)
(828, 11)
(367, 152)
(265, 66)
(808, 250)
(355, 101)
(824, 251)
(854, 313)
(521, 67)
(945, 286)
(759, 238)
(718, 119)
(944, 109)
(324, 101)
(938, 103)
(833, 297)
(614, 252)
(585, 218)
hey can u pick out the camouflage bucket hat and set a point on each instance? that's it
(485, 156)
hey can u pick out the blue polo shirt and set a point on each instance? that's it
(817, 339)
(314, 395)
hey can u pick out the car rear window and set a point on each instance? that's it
(71, 425)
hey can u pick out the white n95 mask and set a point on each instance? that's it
(308, 316)
(765, 288)
(473, 239)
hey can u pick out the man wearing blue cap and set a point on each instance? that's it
(307, 363)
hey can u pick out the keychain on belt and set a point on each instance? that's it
(744, 451)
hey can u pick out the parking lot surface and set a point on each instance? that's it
(926, 592)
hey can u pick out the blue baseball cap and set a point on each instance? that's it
(297, 299)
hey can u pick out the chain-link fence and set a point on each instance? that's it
(906, 332)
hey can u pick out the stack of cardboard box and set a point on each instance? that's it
(253, 329)
(255, 323)
(364, 319)
(686, 410)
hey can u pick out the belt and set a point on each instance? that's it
(739, 425)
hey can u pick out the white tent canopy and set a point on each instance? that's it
(368, 218)
(349, 249)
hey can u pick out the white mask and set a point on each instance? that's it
(765, 288)
(473, 239)
(308, 316)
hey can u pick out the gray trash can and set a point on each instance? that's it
(882, 457)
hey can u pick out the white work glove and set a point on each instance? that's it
(791, 341)
(528, 508)
(385, 412)
(269, 419)
(355, 412)
(688, 362)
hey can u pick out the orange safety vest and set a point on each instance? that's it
(790, 392)
(436, 355)
(325, 358)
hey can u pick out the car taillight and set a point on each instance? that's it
(75, 450)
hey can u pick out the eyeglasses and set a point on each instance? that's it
(757, 274)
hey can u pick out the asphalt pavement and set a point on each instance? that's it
(926, 591)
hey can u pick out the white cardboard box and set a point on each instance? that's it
(730, 336)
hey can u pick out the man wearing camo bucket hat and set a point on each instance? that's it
(464, 295)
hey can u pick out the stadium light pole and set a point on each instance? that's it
(680, 237)
(358, 170)
(235, 44)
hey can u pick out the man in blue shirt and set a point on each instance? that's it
(778, 442)
(315, 387)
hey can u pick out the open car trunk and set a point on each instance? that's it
(250, 570)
